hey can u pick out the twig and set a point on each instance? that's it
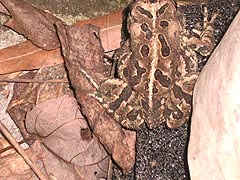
(22, 153)
(34, 80)
(110, 59)
(110, 51)
(110, 169)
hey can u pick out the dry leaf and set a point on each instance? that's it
(83, 56)
(64, 131)
(35, 24)
(60, 126)
(110, 29)
(27, 95)
(13, 167)
(26, 56)
(118, 142)
(59, 169)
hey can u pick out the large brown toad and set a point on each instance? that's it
(157, 67)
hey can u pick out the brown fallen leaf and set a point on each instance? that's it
(64, 131)
(26, 56)
(13, 167)
(36, 25)
(55, 119)
(58, 169)
(83, 54)
(110, 29)
(29, 160)
(27, 95)
(118, 142)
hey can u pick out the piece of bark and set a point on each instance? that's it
(83, 54)
(36, 25)
(214, 141)
(26, 56)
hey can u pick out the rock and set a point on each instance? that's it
(214, 146)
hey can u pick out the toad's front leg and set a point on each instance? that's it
(121, 103)
(204, 42)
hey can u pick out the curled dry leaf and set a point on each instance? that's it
(83, 56)
(214, 146)
(64, 131)
(119, 143)
(33, 23)
(110, 29)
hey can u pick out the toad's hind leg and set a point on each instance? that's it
(181, 93)
(181, 101)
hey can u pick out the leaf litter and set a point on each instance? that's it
(69, 133)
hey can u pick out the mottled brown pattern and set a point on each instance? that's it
(157, 67)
